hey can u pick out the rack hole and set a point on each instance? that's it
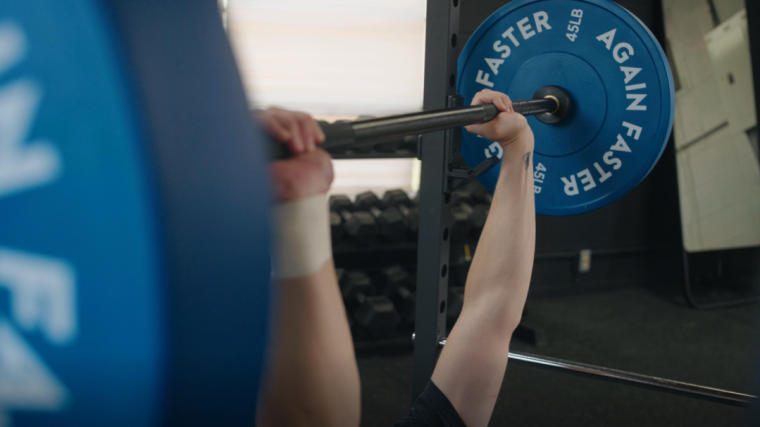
(444, 270)
(443, 306)
(453, 40)
(447, 198)
(445, 234)
(452, 80)
(456, 3)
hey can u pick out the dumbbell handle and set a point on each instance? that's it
(341, 136)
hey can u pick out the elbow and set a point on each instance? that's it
(500, 314)
(348, 407)
(341, 406)
(333, 401)
(343, 414)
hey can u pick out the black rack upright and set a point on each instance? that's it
(441, 53)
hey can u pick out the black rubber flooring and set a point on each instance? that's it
(630, 329)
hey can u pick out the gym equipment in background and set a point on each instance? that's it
(602, 115)
(617, 76)
(619, 121)
(134, 243)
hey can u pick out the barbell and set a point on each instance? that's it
(601, 118)
(549, 101)
(134, 240)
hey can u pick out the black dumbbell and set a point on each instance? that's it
(366, 201)
(412, 216)
(394, 277)
(461, 195)
(391, 224)
(460, 222)
(410, 143)
(360, 226)
(479, 193)
(337, 230)
(376, 314)
(396, 198)
(340, 202)
(405, 301)
(352, 284)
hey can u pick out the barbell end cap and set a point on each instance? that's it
(556, 101)
(564, 104)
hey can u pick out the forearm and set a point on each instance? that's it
(313, 378)
(472, 364)
(497, 285)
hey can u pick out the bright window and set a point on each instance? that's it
(335, 59)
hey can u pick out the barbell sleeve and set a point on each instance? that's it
(342, 136)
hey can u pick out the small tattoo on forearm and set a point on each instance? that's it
(526, 159)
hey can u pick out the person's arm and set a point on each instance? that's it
(472, 364)
(312, 378)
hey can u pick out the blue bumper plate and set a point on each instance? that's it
(110, 314)
(618, 79)
(81, 328)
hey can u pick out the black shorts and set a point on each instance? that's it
(432, 409)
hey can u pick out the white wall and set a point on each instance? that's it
(331, 57)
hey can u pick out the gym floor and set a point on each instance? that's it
(630, 329)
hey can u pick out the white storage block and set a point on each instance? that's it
(701, 109)
(728, 48)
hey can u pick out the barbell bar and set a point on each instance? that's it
(548, 101)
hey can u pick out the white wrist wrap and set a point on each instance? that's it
(301, 237)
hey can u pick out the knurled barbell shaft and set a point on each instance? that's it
(383, 128)
(342, 136)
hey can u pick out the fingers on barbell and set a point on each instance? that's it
(487, 96)
(297, 137)
(275, 126)
(319, 135)
(284, 128)
(310, 132)
(310, 129)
